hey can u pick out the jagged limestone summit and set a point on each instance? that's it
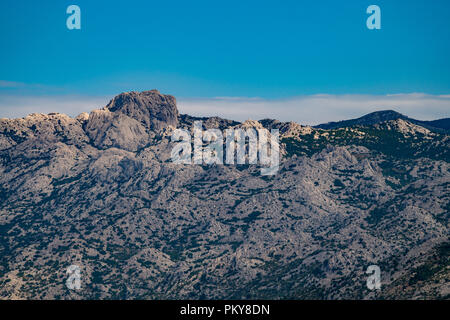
(100, 191)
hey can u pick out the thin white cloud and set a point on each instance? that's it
(20, 106)
(11, 84)
(311, 109)
(321, 108)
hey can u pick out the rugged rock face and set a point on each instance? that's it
(154, 110)
(108, 129)
(100, 192)
(131, 120)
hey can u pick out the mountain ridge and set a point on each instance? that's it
(440, 125)
(153, 109)
(100, 191)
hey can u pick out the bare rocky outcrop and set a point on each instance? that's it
(132, 119)
(154, 110)
(108, 129)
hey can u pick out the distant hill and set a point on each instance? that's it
(442, 125)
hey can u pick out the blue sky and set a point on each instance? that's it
(206, 49)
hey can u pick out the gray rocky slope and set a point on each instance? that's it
(100, 191)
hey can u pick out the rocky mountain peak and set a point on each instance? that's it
(151, 108)
(131, 119)
(248, 124)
